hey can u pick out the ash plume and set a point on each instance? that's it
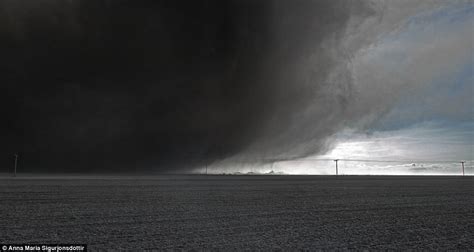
(105, 86)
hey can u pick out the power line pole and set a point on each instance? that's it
(337, 172)
(16, 163)
(462, 163)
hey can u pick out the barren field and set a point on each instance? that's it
(240, 212)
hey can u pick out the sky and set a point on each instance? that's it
(428, 127)
(433, 119)
(172, 86)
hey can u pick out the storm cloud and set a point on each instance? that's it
(98, 85)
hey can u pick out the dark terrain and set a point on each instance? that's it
(240, 212)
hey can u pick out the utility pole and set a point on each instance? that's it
(16, 163)
(462, 163)
(337, 172)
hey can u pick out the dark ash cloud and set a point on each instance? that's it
(97, 85)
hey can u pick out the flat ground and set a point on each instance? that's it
(240, 212)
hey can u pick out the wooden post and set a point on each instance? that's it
(462, 163)
(337, 172)
(16, 163)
